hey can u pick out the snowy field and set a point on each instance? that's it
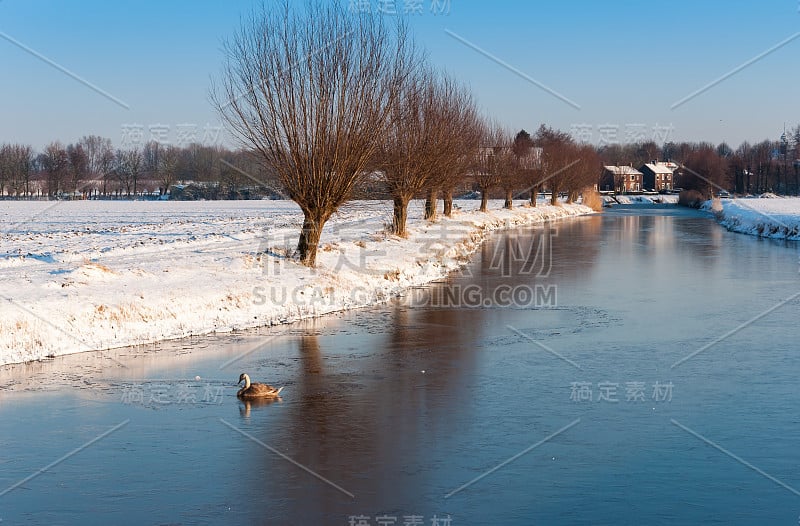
(777, 217)
(78, 276)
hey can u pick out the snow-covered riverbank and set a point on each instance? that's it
(777, 217)
(78, 276)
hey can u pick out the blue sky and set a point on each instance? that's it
(624, 63)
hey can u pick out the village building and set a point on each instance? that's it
(621, 179)
(658, 176)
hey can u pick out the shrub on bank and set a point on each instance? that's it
(592, 199)
(691, 198)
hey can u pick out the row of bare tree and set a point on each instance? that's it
(486, 158)
(324, 98)
(434, 133)
(327, 97)
(438, 144)
(92, 167)
(522, 165)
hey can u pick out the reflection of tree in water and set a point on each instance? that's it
(543, 253)
(363, 422)
(429, 364)
(375, 423)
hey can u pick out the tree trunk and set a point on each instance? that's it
(509, 200)
(448, 203)
(400, 216)
(554, 196)
(484, 200)
(572, 197)
(534, 195)
(309, 238)
(430, 204)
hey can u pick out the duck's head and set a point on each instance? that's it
(243, 378)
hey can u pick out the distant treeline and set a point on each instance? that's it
(93, 169)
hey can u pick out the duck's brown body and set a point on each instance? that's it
(256, 390)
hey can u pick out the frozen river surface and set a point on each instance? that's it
(639, 366)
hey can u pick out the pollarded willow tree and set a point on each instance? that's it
(462, 122)
(583, 175)
(310, 90)
(462, 167)
(404, 151)
(557, 157)
(494, 159)
(422, 141)
(510, 168)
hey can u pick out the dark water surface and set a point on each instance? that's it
(556, 380)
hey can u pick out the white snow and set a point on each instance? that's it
(78, 276)
(767, 216)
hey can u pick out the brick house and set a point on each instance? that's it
(621, 179)
(658, 176)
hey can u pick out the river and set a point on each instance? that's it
(639, 366)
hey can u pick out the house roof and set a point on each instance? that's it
(659, 168)
(623, 170)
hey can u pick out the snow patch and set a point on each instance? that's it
(766, 216)
(83, 276)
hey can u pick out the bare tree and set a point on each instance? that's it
(99, 157)
(18, 160)
(161, 163)
(310, 90)
(521, 165)
(706, 171)
(460, 169)
(456, 112)
(168, 166)
(584, 174)
(55, 163)
(404, 152)
(647, 152)
(535, 179)
(200, 162)
(128, 169)
(558, 152)
(231, 177)
(151, 159)
(489, 165)
(419, 149)
(78, 166)
(6, 167)
(507, 165)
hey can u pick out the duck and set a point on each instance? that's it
(256, 390)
